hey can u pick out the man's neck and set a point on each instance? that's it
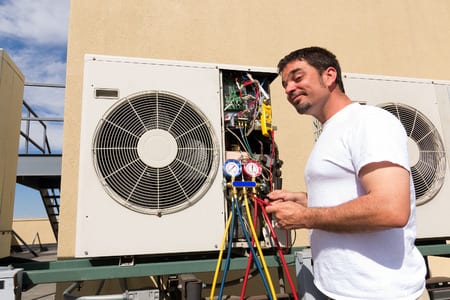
(337, 101)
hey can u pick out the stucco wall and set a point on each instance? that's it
(11, 97)
(33, 231)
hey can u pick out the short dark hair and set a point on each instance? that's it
(319, 58)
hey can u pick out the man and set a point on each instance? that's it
(360, 204)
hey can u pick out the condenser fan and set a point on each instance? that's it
(155, 152)
(426, 150)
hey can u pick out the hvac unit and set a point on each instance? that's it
(151, 152)
(423, 107)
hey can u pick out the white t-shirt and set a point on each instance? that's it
(376, 265)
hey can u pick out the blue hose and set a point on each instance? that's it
(230, 245)
(252, 249)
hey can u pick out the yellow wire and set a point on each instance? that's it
(263, 261)
(219, 260)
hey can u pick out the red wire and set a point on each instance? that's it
(277, 243)
(272, 156)
(260, 202)
(247, 273)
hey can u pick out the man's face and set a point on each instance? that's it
(304, 87)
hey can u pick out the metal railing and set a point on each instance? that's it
(41, 143)
(35, 142)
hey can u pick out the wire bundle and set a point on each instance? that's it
(252, 241)
(248, 128)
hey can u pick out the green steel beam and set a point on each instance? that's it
(72, 270)
(435, 250)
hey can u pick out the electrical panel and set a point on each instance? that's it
(252, 166)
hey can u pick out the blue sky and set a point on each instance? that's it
(34, 34)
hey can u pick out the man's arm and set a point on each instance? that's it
(385, 205)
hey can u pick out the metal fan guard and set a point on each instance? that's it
(129, 179)
(429, 172)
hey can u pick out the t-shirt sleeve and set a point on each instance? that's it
(379, 137)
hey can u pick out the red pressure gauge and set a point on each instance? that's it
(252, 168)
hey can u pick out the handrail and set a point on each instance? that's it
(32, 116)
(26, 134)
(53, 85)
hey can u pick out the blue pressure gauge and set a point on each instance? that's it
(232, 168)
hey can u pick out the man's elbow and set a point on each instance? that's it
(400, 218)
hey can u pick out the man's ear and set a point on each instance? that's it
(329, 77)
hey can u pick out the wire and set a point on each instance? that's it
(277, 243)
(258, 246)
(230, 245)
(219, 260)
(252, 249)
(235, 281)
(238, 138)
(272, 157)
(250, 257)
(245, 140)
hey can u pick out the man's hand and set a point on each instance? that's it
(288, 214)
(282, 195)
(287, 208)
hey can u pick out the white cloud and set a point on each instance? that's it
(37, 37)
(49, 101)
(34, 34)
(41, 22)
(41, 65)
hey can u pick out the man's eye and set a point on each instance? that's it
(298, 78)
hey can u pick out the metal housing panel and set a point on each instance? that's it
(432, 100)
(106, 228)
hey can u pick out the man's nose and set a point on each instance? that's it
(289, 87)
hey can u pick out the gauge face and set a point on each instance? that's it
(232, 168)
(252, 168)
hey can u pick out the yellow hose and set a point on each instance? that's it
(219, 260)
(263, 261)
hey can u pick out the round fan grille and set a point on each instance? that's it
(428, 169)
(155, 152)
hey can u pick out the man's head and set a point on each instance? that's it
(317, 57)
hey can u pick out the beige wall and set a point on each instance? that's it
(33, 231)
(11, 97)
(404, 38)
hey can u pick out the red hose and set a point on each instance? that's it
(277, 243)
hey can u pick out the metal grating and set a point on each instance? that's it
(429, 171)
(155, 152)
